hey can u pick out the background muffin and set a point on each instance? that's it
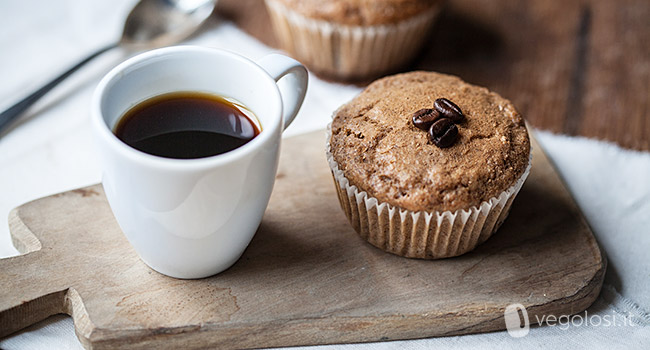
(410, 197)
(352, 39)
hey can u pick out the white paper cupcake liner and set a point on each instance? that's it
(345, 51)
(424, 235)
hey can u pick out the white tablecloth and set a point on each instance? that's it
(50, 150)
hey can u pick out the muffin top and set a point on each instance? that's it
(360, 12)
(381, 152)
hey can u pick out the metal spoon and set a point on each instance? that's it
(151, 23)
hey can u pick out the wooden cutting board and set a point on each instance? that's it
(306, 278)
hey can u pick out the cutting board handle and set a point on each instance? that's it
(30, 291)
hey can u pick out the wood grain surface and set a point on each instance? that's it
(577, 67)
(306, 278)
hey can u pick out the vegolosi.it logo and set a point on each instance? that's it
(517, 322)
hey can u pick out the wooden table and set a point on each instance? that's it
(571, 67)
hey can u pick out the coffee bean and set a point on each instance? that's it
(443, 132)
(423, 118)
(440, 126)
(449, 110)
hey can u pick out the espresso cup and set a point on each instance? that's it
(193, 218)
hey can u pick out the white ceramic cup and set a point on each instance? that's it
(193, 218)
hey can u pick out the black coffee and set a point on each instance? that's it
(187, 125)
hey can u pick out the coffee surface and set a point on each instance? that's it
(186, 125)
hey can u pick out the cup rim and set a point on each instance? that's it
(133, 154)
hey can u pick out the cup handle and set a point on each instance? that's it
(293, 86)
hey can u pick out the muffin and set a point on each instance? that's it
(407, 192)
(352, 39)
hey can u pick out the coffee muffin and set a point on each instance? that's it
(431, 189)
(352, 39)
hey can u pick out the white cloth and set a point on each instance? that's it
(50, 150)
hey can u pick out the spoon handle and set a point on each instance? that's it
(16, 110)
